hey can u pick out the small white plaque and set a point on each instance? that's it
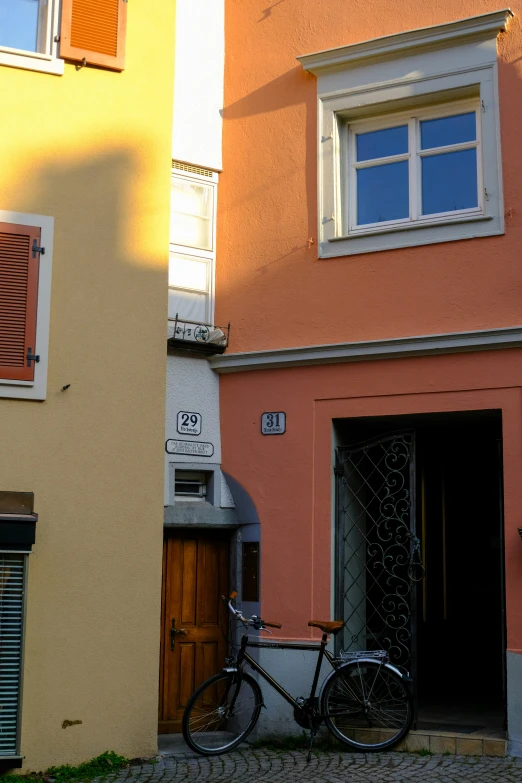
(192, 447)
(273, 423)
(189, 423)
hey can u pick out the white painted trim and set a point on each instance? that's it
(402, 44)
(394, 348)
(377, 91)
(46, 60)
(37, 389)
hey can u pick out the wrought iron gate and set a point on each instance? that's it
(377, 550)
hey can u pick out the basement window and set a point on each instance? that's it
(190, 485)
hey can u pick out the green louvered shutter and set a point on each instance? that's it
(11, 632)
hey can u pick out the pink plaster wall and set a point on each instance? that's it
(270, 283)
(289, 477)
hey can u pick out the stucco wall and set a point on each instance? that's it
(194, 387)
(92, 148)
(270, 283)
(290, 478)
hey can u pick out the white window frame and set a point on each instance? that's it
(45, 60)
(37, 388)
(414, 156)
(410, 73)
(197, 254)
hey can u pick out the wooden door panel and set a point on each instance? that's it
(195, 576)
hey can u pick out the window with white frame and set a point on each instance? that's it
(29, 34)
(26, 252)
(422, 167)
(192, 244)
(409, 138)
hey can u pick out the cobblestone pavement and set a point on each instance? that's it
(254, 765)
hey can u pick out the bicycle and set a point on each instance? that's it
(365, 701)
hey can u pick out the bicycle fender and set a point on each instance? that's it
(230, 669)
(390, 666)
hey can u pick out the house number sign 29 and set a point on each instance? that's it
(273, 423)
(189, 423)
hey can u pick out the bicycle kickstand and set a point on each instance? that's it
(313, 732)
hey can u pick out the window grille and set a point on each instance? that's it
(192, 169)
(12, 570)
(190, 485)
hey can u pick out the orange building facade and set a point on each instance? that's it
(368, 232)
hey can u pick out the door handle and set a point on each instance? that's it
(176, 632)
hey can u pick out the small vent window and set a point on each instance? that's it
(192, 169)
(12, 568)
(190, 485)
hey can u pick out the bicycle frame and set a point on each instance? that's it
(320, 649)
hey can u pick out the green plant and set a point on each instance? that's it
(423, 752)
(99, 767)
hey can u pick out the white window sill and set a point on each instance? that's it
(411, 235)
(31, 61)
(412, 227)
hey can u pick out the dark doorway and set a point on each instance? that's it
(458, 644)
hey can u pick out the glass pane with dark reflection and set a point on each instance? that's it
(448, 130)
(382, 143)
(250, 571)
(382, 193)
(19, 24)
(449, 182)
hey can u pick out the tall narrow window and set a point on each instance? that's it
(192, 244)
(12, 570)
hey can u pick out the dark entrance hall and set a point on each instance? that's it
(457, 642)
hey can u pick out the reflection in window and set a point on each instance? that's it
(409, 171)
(191, 214)
(382, 143)
(382, 193)
(19, 24)
(449, 182)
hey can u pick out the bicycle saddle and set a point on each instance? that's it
(329, 627)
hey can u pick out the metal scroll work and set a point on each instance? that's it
(378, 552)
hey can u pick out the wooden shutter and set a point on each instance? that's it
(18, 300)
(11, 631)
(93, 31)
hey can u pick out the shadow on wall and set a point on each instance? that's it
(422, 291)
(293, 88)
(108, 315)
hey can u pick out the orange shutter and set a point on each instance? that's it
(94, 31)
(18, 300)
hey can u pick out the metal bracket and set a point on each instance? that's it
(31, 357)
(37, 249)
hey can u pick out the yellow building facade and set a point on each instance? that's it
(85, 146)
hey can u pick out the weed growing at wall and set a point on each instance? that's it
(99, 767)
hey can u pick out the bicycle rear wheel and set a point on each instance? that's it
(221, 713)
(367, 706)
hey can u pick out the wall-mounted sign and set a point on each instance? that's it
(192, 447)
(189, 423)
(273, 423)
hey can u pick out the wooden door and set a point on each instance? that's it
(195, 576)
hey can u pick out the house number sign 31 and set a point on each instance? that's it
(273, 423)
(189, 423)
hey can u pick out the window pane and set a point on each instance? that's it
(188, 273)
(381, 143)
(189, 305)
(191, 215)
(448, 130)
(449, 182)
(382, 193)
(19, 24)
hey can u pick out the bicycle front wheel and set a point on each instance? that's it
(221, 713)
(367, 706)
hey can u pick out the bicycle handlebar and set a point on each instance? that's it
(256, 622)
